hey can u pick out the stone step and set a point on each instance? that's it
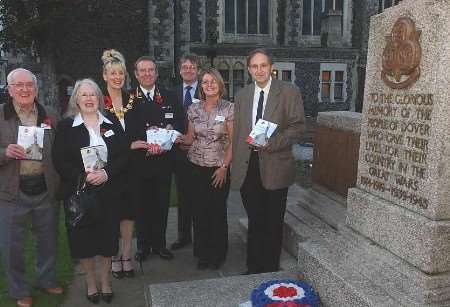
(385, 266)
(335, 281)
(322, 204)
(362, 272)
(218, 292)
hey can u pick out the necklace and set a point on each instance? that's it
(120, 114)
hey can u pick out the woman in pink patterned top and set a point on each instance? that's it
(209, 133)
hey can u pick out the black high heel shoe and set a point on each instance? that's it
(94, 298)
(107, 297)
(129, 273)
(117, 274)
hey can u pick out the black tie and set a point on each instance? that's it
(187, 97)
(259, 111)
(149, 98)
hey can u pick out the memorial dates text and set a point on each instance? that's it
(396, 148)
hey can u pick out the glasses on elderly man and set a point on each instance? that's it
(27, 85)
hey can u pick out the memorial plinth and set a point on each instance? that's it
(396, 241)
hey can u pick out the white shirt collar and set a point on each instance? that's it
(151, 91)
(193, 85)
(78, 120)
(266, 88)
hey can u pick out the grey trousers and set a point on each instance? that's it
(41, 212)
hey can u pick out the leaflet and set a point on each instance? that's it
(94, 157)
(162, 137)
(32, 140)
(261, 133)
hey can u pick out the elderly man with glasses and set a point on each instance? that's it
(27, 189)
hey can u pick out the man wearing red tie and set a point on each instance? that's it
(264, 173)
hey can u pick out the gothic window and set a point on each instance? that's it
(335, 5)
(225, 72)
(284, 71)
(384, 4)
(247, 16)
(238, 78)
(333, 78)
(312, 11)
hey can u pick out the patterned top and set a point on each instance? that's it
(210, 133)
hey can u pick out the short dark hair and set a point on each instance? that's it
(145, 58)
(261, 51)
(193, 58)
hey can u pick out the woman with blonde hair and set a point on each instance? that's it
(118, 106)
(209, 133)
(86, 126)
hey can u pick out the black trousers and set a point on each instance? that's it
(265, 210)
(183, 179)
(210, 216)
(152, 196)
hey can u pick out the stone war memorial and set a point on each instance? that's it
(394, 247)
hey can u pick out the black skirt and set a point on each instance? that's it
(100, 238)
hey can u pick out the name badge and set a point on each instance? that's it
(108, 133)
(168, 115)
(45, 126)
(220, 118)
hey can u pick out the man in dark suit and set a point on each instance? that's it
(264, 173)
(150, 166)
(185, 93)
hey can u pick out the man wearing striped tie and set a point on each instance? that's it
(186, 94)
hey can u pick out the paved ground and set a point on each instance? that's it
(130, 292)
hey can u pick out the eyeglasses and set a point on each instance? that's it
(188, 67)
(27, 85)
(211, 82)
(261, 66)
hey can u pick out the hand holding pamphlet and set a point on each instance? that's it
(165, 138)
(94, 157)
(261, 133)
(32, 141)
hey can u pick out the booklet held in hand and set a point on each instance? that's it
(261, 133)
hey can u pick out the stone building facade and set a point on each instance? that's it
(320, 45)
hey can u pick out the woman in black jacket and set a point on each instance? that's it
(118, 107)
(86, 126)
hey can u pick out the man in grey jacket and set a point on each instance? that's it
(264, 173)
(27, 190)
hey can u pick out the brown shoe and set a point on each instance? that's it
(25, 302)
(54, 290)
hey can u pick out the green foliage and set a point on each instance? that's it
(29, 23)
(64, 271)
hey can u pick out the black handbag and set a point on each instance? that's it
(83, 207)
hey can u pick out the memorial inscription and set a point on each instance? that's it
(396, 146)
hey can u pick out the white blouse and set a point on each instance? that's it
(95, 137)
